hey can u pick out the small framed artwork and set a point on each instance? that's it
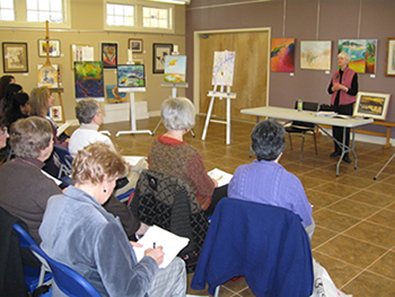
(15, 57)
(160, 51)
(55, 112)
(390, 67)
(109, 54)
(372, 105)
(136, 45)
(131, 78)
(54, 48)
(81, 52)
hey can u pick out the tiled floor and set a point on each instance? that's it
(355, 215)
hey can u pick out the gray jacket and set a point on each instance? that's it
(77, 231)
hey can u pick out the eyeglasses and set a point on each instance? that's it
(4, 131)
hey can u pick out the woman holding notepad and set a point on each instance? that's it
(171, 155)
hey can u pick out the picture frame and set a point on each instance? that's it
(15, 57)
(56, 113)
(315, 55)
(372, 105)
(80, 53)
(390, 62)
(54, 48)
(136, 45)
(131, 78)
(160, 51)
(109, 54)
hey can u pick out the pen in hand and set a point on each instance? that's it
(154, 245)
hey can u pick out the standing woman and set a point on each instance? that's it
(343, 89)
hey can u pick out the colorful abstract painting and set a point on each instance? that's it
(224, 64)
(109, 54)
(113, 94)
(89, 80)
(282, 54)
(362, 54)
(175, 69)
(315, 55)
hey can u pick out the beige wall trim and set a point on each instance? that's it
(228, 4)
(196, 60)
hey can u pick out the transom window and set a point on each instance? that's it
(155, 18)
(120, 15)
(7, 10)
(42, 10)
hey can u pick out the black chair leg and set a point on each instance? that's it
(315, 144)
(301, 150)
(290, 141)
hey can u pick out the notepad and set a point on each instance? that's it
(223, 178)
(172, 244)
(133, 160)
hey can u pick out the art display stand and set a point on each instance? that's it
(133, 123)
(219, 94)
(175, 87)
(385, 166)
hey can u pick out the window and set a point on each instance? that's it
(33, 13)
(7, 10)
(120, 15)
(136, 15)
(42, 10)
(155, 17)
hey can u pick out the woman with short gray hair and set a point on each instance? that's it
(343, 89)
(169, 154)
(266, 181)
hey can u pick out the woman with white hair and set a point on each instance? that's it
(343, 89)
(169, 153)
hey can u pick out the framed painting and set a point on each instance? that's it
(160, 51)
(372, 105)
(81, 52)
(315, 55)
(55, 112)
(362, 53)
(109, 54)
(89, 80)
(223, 68)
(136, 45)
(282, 55)
(15, 57)
(390, 66)
(131, 78)
(54, 48)
(175, 69)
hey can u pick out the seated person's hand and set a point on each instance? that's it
(215, 182)
(135, 244)
(155, 253)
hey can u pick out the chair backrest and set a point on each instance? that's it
(68, 281)
(65, 159)
(25, 240)
(266, 244)
(308, 106)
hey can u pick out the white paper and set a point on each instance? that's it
(62, 128)
(57, 182)
(223, 178)
(87, 53)
(172, 244)
(133, 160)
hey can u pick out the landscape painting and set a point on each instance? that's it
(362, 54)
(315, 55)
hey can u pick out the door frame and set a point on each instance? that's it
(196, 59)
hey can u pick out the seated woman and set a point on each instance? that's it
(78, 232)
(10, 91)
(19, 108)
(40, 103)
(24, 188)
(266, 181)
(171, 155)
(5, 81)
(3, 131)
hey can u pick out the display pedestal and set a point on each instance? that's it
(133, 123)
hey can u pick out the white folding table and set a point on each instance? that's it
(310, 117)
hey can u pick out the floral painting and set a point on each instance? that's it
(282, 54)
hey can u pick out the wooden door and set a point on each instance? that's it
(250, 73)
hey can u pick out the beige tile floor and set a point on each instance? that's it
(355, 215)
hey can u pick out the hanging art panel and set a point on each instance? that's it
(315, 55)
(282, 55)
(362, 54)
(89, 80)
